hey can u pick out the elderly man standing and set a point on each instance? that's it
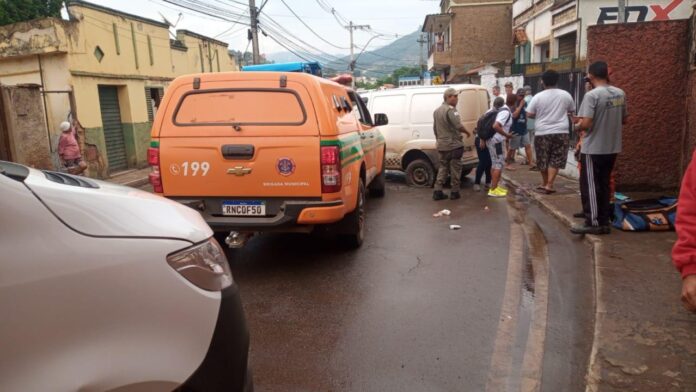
(450, 146)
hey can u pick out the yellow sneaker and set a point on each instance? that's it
(497, 192)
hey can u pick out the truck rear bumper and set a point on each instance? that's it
(281, 215)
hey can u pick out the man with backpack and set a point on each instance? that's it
(493, 130)
(602, 115)
(448, 129)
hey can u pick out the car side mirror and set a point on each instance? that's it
(381, 119)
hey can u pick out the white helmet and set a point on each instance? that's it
(64, 126)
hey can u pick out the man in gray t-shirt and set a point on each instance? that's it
(602, 115)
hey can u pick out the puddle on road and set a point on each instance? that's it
(520, 203)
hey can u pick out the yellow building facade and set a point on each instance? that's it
(108, 69)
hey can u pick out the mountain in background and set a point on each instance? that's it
(283, 57)
(377, 63)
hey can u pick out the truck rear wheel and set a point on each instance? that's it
(420, 173)
(354, 222)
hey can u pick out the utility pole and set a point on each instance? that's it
(622, 11)
(422, 41)
(253, 14)
(352, 27)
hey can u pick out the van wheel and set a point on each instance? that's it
(379, 184)
(465, 172)
(420, 173)
(355, 222)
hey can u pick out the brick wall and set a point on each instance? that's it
(691, 119)
(649, 62)
(482, 34)
(690, 144)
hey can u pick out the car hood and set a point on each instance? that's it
(111, 210)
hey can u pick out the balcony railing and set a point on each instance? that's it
(440, 57)
(441, 47)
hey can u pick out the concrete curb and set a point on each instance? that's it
(135, 183)
(593, 369)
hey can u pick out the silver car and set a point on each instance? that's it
(107, 288)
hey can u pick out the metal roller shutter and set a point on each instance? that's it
(113, 130)
(566, 45)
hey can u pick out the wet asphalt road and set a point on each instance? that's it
(417, 308)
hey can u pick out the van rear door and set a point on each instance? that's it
(240, 138)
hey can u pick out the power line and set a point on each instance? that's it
(234, 25)
(278, 27)
(308, 27)
(205, 9)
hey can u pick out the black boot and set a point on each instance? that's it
(455, 195)
(579, 215)
(596, 230)
(439, 195)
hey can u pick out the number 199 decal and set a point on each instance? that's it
(195, 168)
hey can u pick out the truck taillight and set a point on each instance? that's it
(330, 169)
(153, 156)
(154, 162)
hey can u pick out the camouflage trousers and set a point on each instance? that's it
(450, 165)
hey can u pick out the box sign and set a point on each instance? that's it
(640, 11)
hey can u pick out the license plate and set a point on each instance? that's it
(244, 208)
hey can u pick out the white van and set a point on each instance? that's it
(409, 134)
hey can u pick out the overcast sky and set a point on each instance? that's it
(384, 16)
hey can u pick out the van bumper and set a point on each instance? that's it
(282, 215)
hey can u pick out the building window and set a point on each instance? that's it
(153, 98)
(566, 45)
(98, 53)
(544, 52)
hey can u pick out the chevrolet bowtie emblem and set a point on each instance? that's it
(239, 171)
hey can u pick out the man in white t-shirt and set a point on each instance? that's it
(551, 109)
(496, 146)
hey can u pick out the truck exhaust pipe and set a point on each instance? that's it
(237, 240)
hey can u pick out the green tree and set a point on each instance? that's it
(246, 58)
(394, 77)
(12, 11)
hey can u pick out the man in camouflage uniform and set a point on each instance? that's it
(448, 133)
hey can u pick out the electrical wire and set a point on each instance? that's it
(234, 25)
(310, 29)
(205, 10)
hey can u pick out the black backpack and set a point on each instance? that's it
(484, 126)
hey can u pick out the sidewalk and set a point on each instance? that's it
(644, 339)
(132, 178)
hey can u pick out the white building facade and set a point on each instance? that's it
(547, 30)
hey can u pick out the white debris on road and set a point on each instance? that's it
(442, 213)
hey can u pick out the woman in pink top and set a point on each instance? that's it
(69, 149)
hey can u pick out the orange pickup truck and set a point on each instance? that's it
(265, 151)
